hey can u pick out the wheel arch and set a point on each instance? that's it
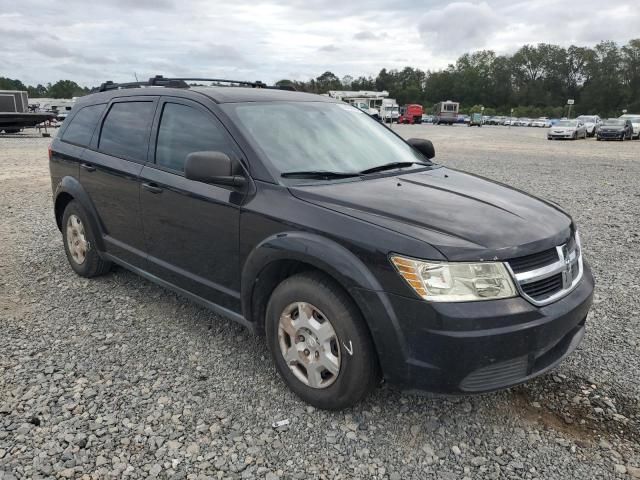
(68, 190)
(284, 254)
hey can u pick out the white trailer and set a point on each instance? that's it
(366, 100)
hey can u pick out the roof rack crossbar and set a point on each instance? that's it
(256, 84)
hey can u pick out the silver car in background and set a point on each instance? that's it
(591, 122)
(635, 123)
(568, 129)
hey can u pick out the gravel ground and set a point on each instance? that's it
(116, 377)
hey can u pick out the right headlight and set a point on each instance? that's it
(456, 281)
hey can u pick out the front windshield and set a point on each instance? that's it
(566, 123)
(587, 119)
(319, 136)
(613, 121)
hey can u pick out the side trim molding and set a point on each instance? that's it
(225, 312)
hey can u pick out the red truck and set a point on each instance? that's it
(411, 114)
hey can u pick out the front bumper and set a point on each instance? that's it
(610, 135)
(475, 347)
(560, 135)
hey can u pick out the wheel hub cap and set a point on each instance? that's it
(77, 240)
(309, 345)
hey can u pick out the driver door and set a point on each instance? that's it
(191, 228)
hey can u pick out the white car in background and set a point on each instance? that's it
(541, 122)
(568, 129)
(591, 122)
(635, 123)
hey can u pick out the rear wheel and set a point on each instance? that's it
(319, 342)
(79, 243)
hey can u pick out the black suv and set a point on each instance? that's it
(306, 220)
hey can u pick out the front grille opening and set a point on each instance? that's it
(541, 289)
(534, 261)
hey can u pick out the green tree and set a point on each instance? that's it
(66, 89)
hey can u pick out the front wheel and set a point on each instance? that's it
(319, 342)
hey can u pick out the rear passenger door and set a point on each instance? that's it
(110, 172)
(191, 228)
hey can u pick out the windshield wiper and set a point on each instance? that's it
(391, 166)
(319, 174)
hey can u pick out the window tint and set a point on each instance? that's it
(81, 128)
(124, 131)
(184, 130)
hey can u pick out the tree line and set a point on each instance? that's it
(537, 80)
(60, 89)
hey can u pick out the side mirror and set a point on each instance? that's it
(423, 146)
(212, 167)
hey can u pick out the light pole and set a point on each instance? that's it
(570, 103)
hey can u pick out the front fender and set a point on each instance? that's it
(71, 186)
(349, 271)
(321, 252)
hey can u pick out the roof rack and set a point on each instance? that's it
(160, 81)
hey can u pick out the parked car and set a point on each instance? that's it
(510, 121)
(591, 123)
(304, 220)
(495, 120)
(522, 122)
(543, 122)
(567, 129)
(427, 118)
(615, 129)
(635, 124)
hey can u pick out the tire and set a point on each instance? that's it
(350, 350)
(76, 234)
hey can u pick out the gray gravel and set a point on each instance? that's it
(118, 378)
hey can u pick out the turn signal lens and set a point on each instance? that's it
(456, 281)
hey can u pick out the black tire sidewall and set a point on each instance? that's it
(358, 369)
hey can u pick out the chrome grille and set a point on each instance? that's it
(547, 276)
(530, 262)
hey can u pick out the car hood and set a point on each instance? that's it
(563, 129)
(612, 127)
(464, 216)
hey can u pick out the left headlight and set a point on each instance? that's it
(456, 281)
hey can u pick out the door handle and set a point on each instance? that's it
(152, 187)
(87, 167)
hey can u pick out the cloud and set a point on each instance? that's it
(459, 27)
(275, 39)
(329, 48)
(368, 35)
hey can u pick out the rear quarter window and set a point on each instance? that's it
(83, 124)
(125, 130)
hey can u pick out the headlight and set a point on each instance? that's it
(456, 282)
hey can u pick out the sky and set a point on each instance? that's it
(92, 41)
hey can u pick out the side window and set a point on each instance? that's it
(81, 128)
(184, 130)
(124, 131)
